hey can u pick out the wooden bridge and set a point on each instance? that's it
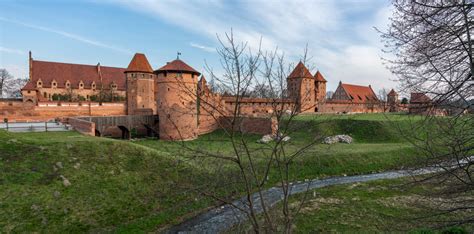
(124, 122)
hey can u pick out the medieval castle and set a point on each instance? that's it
(171, 92)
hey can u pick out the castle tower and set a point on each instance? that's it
(392, 101)
(320, 85)
(140, 87)
(301, 88)
(176, 91)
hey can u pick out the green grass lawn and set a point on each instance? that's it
(378, 206)
(145, 184)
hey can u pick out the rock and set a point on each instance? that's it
(77, 166)
(338, 138)
(65, 181)
(286, 138)
(59, 164)
(265, 139)
(56, 194)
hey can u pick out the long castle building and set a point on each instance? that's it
(172, 92)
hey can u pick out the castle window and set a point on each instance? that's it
(29, 91)
(143, 75)
(45, 95)
(165, 74)
(168, 89)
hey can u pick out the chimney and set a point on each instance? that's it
(30, 63)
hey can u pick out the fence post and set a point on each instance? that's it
(46, 126)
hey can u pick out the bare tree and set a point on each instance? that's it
(5, 77)
(251, 168)
(432, 44)
(382, 94)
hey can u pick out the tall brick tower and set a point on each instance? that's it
(392, 101)
(140, 86)
(301, 88)
(176, 91)
(320, 85)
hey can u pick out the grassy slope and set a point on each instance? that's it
(115, 184)
(378, 206)
(128, 186)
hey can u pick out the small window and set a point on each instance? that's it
(165, 74)
(143, 75)
(29, 91)
(359, 97)
(168, 89)
(45, 95)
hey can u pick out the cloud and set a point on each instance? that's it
(340, 34)
(68, 35)
(11, 51)
(17, 71)
(202, 47)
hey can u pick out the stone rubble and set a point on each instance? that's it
(267, 138)
(338, 138)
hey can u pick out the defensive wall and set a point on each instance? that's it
(16, 110)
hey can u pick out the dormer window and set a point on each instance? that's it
(93, 86)
(68, 84)
(39, 84)
(81, 84)
(114, 86)
(54, 84)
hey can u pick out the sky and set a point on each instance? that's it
(342, 42)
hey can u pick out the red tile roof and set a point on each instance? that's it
(202, 85)
(360, 94)
(300, 71)
(177, 66)
(139, 63)
(29, 86)
(62, 72)
(319, 77)
(419, 98)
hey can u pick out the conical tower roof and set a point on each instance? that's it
(300, 71)
(139, 63)
(319, 77)
(177, 65)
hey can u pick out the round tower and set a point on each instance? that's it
(140, 86)
(176, 91)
